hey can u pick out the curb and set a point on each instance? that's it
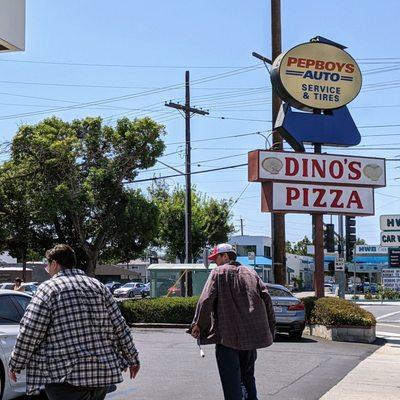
(159, 325)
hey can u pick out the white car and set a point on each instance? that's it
(12, 308)
(130, 289)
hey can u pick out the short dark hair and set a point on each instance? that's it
(231, 255)
(17, 279)
(63, 255)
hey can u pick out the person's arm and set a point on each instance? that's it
(123, 333)
(268, 305)
(33, 328)
(204, 306)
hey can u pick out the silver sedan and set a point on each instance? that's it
(289, 311)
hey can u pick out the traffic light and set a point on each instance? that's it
(350, 237)
(331, 266)
(329, 238)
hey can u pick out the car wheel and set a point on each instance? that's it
(295, 335)
(131, 295)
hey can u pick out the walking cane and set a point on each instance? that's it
(201, 350)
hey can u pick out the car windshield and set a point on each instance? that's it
(275, 292)
(128, 285)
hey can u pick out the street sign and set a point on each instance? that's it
(339, 264)
(389, 222)
(334, 169)
(390, 238)
(391, 278)
(364, 249)
(12, 25)
(394, 257)
(302, 198)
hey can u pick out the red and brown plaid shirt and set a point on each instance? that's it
(235, 309)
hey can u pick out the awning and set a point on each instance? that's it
(259, 260)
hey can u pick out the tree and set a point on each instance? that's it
(210, 220)
(20, 230)
(76, 174)
(301, 246)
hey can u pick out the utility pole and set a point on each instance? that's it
(189, 111)
(318, 230)
(277, 220)
(241, 226)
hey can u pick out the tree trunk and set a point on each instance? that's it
(91, 264)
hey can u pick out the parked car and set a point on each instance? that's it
(111, 286)
(289, 311)
(12, 308)
(30, 287)
(130, 289)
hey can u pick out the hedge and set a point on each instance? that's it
(331, 311)
(174, 310)
(327, 311)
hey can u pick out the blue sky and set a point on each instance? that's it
(142, 46)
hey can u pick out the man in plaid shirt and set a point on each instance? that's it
(73, 339)
(234, 311)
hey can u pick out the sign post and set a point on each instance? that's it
(320, 79)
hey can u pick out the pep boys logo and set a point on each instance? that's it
(316, 76)
(320, 70)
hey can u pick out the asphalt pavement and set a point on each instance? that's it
(173, 369)
(387, 317)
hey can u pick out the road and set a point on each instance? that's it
(173, 369)
(388, 319)
(305, 370)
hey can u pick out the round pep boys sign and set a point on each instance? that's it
(316, 76)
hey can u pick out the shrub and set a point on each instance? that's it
(334, 311)
(176, 310)
(368, 296)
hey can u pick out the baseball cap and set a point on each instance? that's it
(219, 249)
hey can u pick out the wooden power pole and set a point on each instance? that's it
(189, 111)
(277, 220)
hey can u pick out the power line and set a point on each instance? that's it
(135, 95)
(192, 173)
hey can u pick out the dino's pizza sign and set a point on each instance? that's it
(335, 169)
(316, 183)
(316, 75)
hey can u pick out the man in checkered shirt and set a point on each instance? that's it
(73, 339)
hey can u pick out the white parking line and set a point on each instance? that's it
(387, 315)
(387, 334)
(385, 324)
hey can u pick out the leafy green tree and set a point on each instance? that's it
(300, 247)
(19, 232)
(77, 173)
(210, 220)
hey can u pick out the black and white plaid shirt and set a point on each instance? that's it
(73, 331)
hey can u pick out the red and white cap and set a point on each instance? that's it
(219, 249)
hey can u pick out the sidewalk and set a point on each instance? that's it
(377, 377)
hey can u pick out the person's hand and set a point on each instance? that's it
(195, 331)
(134, 369)
(13, 376)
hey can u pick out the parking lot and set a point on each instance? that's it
(172, 368)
